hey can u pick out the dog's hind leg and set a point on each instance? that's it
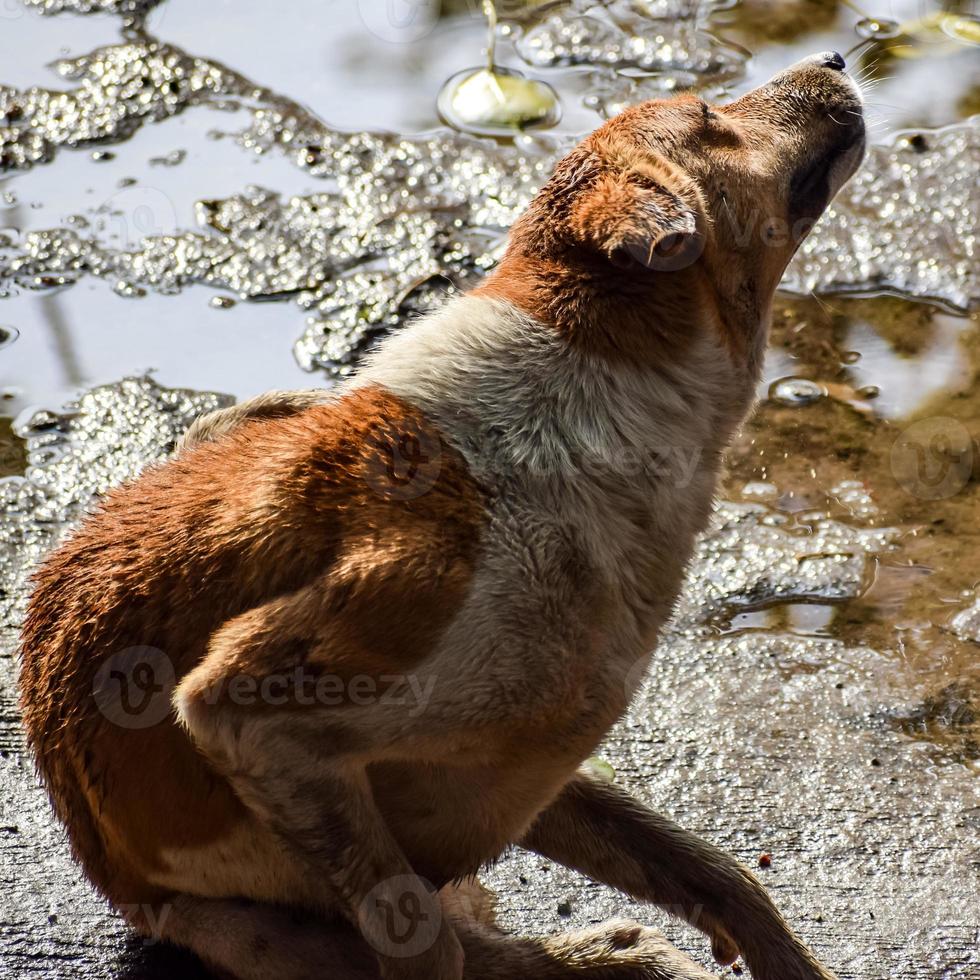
(257, 941)
(613, 950)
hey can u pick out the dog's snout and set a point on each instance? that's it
(825, 59)
(831, 59)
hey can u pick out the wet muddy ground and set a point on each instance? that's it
(216, 195)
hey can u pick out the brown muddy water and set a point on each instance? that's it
(214, 199)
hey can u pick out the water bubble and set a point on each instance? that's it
(877, 28)
(796, 392)
(962, 27)
(497, 103)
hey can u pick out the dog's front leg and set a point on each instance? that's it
(597, 829)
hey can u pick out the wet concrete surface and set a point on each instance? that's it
(818, 694)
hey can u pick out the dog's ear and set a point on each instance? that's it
(635, 221)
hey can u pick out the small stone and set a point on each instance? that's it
(601, 769)
(311, 156)
(565, 908)
(170, 160)
(765, 860)
(222, 302)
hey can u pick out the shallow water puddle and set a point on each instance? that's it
(906, 460)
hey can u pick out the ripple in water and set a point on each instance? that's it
(497, 102)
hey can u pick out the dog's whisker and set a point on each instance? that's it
(823, 304)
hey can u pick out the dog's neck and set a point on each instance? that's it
(515, 393)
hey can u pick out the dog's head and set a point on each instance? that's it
(676, 208)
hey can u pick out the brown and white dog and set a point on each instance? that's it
(388, 624)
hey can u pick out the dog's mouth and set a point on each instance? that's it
(819, 179)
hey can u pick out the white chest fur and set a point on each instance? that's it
(615, 463)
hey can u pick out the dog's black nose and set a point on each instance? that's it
(831, 59)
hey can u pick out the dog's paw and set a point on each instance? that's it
(624, 950)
